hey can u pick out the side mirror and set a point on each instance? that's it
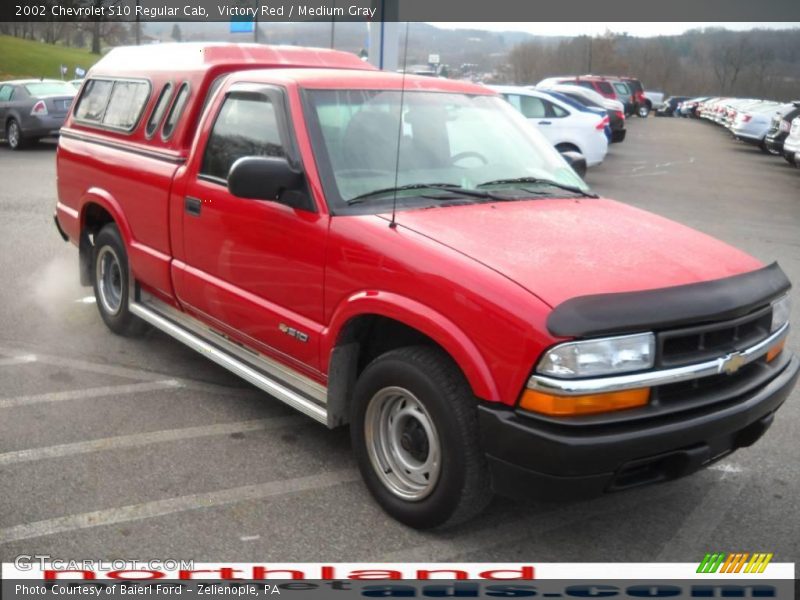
(577, 161)
(262, 178)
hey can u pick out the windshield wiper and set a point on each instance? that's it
(550, 182)
(445, 187)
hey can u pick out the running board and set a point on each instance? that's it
(223, 352)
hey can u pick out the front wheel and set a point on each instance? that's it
(111, 283)
(14, 135)
(414, 431)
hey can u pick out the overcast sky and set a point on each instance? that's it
(637, 29)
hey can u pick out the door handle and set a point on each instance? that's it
(192, 205)
(545, 123)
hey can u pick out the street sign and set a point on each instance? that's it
(243, 25)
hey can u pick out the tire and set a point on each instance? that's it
(413, 408)
(763, 147)
(111, 285)
(14, 136)
(643, 111)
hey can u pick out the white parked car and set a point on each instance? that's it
(591, 95)
(751, 124)
(791, 147)
(566, 127)
(656, 98)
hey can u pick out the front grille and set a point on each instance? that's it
(707, 342)
(710, 390)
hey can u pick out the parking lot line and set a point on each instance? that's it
(145, 439)
(17, 360)
(158, 508)
(127, 372)
(111, 391)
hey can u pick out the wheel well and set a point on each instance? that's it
(362, 340)
(95, 217)
(567, 147)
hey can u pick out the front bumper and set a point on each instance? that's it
(534, 459)
(775, 143)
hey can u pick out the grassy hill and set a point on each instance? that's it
(25, 58)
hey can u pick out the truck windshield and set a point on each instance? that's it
(460, 140)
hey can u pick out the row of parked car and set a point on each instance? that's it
(772, 126)
(580, 114)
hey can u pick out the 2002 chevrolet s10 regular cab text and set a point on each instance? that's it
(503, 330)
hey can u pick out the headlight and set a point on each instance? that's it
(607, 356)
(780, 312)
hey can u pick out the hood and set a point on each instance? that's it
(563, 248)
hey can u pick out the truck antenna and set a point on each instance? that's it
(393, 222)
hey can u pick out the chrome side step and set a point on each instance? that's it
(224, 353)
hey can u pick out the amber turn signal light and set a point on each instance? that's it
(775, 350)
(567, 406)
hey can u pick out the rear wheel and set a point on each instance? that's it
(643, 110)
(111, 284)
(14, 135)
(414, 431)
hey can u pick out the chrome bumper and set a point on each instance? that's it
(729, 363)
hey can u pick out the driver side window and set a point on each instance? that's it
(532, 107)
(247, 125)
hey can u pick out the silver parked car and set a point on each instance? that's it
(31, 109)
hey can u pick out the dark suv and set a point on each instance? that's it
(779, 129)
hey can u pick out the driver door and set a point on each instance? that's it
(253, 268)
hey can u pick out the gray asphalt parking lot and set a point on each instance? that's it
(141, 449)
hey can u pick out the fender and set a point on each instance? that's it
(148, 265)
(95, 195)
(77, 227)
(425, 320)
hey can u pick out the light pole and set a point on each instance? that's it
(255, 22)
(138, 25)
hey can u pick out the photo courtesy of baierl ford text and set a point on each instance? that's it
(393, 298)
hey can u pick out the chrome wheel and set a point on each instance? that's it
(402, 443)
(13, 134)
(108, 274)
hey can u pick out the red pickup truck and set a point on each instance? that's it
(407, 256)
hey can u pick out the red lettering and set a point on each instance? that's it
(228, 573)
(119, 575)
(423, 574)
(376, 574)
(52, 574)
(261, 572)
(526, 572)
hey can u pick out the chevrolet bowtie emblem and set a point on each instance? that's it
(732, 363)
